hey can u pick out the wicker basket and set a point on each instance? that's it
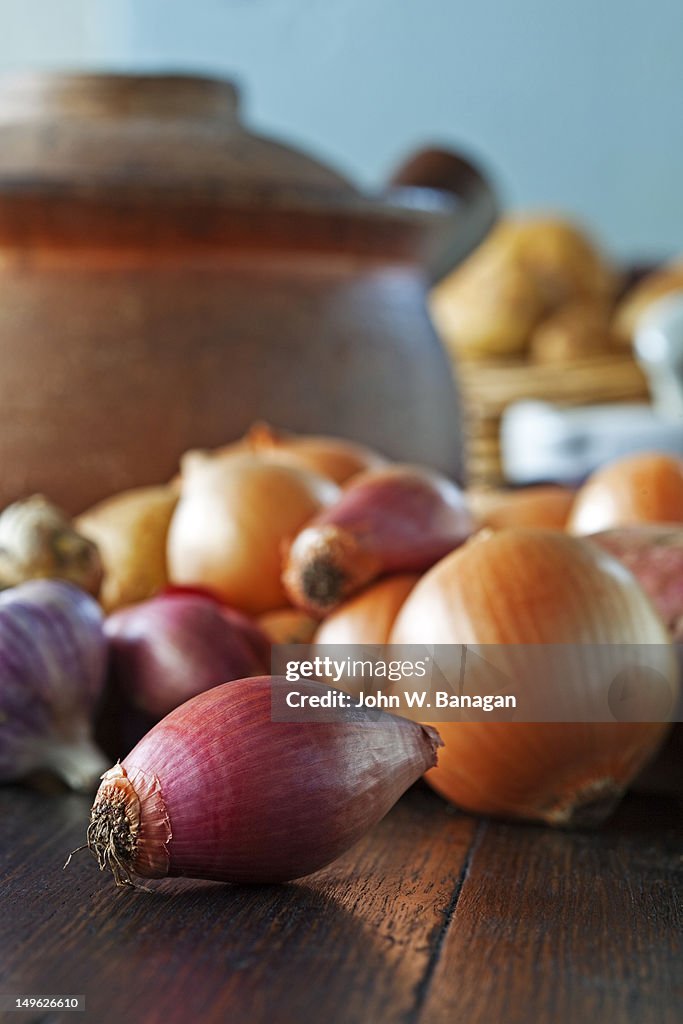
(488, 387)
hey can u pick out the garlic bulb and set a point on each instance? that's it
(38, 541)
(53, 656)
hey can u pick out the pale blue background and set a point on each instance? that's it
(576, 105)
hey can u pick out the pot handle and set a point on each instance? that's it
(471, 198)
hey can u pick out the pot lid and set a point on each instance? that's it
(110, 160)
(154, 130)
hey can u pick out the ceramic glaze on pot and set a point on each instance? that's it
(167, 277)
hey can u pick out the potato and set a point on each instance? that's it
(562, 259)
(578, 330)
(488, 307)
(130, 531)
(524, 271)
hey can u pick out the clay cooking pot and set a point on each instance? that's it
(166, 278)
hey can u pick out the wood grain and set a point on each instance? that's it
(350, 944)
(567, 927)
(434, 916)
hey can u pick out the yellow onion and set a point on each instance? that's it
(232, 520)
(288, 626)
(535, 587)
(333, 457)
(643, 488)
(368, 617)
(546, 506)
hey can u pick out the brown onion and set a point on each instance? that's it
(231, 521)
(219, 790)
(644, 488)
(288, 626)
(401, 519)
(336, 458)
(535, 587)
(368, 617)
(546, 506)
(333, 457)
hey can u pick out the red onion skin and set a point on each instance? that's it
(174, 589)
(400, 519)
(654, 554)
(252, 632)
(168, 649)
(252, 635)
(252, 800)
(118, 724)
(52, 670)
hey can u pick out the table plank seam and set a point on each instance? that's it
(423, 986)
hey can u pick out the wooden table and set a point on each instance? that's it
(434, 917)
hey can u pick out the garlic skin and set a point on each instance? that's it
(38, 541)
(53, 656)
(218, 790)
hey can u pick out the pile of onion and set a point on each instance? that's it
(536, 587)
